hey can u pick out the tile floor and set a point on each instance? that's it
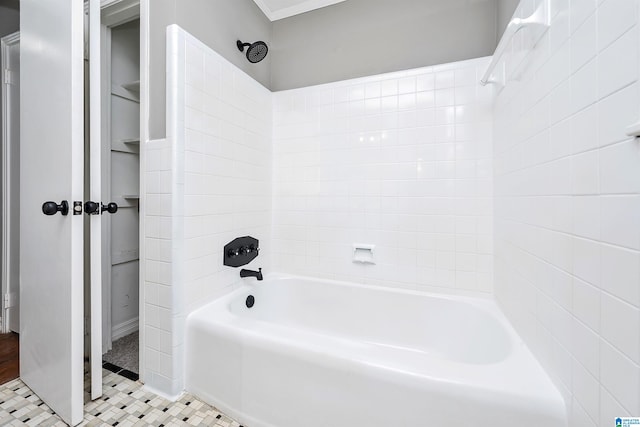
(124, 403)
(124, 352)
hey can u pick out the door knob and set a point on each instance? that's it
(52, 208)
(95, 208)
(111, 208)
(92, 208)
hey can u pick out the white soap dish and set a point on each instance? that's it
(363, 253)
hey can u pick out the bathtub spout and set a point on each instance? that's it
(251, 273)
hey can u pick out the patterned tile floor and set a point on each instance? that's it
(124, 403)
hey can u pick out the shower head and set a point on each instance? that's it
(256, 51)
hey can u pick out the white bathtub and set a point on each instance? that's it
(314, 353)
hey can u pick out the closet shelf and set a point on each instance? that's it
(120, 257)
(132, 86)
(126, 145)
(121, 92)
(131, 196)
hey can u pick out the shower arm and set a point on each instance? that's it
(538, 19)
(241, 45)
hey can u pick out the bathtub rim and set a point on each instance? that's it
(553, 401)
(519, 349)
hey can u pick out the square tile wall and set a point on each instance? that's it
(157, 199)
(567, 203)
(402, 161)
(207, 183)
(227, 170)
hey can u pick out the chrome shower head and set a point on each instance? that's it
(256, 51)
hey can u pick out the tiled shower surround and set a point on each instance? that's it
(567, 207)
(428, 167)
(401, 161)
(207, 183)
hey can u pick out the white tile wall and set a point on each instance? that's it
(567, 205)
(207, 183)
(156, 314)
(401, 161)
(410, 162)
(227, 170)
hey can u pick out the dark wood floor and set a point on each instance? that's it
(9, 357)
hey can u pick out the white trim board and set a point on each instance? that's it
(10, 232)
(300, 6)
(118, 12)
(125, 328)
(144, 138)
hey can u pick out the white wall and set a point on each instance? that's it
(402, 161)
(567, 209)
(227, 170)
(207, 183)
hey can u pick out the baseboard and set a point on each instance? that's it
(162, 394)
(124, 328)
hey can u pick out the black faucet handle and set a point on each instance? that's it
(241, 251)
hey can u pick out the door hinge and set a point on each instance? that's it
(87, 325)
(8, 300)
(6, 76)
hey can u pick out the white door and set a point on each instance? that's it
(95, 194)
(10, 46)
(52, 169)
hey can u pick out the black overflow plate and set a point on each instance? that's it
(241, 251)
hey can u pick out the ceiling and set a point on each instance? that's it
(279, 9)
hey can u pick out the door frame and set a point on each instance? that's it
(105, 64)
(8, 228)
(115, 13)
(144, 138)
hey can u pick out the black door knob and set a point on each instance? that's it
(91, 208)
(52, 208)
(111, 208)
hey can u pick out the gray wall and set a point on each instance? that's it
(9, 16)
(351, 39)
(364, 37)
(217, 23)
(505, 12)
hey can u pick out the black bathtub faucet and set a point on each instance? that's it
(251, 273)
